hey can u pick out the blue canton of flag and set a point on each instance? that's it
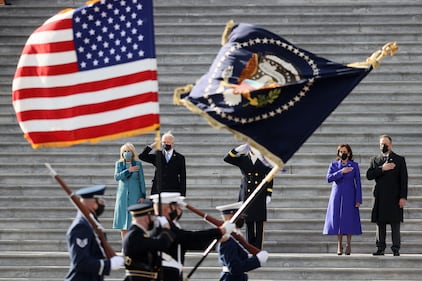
(268, 92)
(113, 32)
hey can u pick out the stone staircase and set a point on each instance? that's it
(35, 212)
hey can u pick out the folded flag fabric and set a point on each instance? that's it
(89, 74)
(269, 92)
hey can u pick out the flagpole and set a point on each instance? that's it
(158, 167)
(251, 197)
(158, 176)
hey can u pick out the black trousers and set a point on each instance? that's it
(255, 233)
(381, 234)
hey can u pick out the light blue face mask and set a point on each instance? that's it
(127, 155)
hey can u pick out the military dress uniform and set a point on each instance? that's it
(174, 256)
(142, 249)
(232, 256)
(88, 259)
(252, 176)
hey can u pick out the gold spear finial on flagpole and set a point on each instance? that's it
(227, 30)
(390, 48)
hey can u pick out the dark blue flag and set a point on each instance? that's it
(268, 92)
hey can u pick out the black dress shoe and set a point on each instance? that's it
(396, 253)
(378, 253)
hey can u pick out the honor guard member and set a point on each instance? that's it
(142, 245)
(88, 261)
(232, 256)
(173, 257)
(254, 169)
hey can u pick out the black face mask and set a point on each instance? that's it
(179, 216)
(150, 224)
(384, 148)
(173, 215)
(167, 147)
(344, 156)
(240, 222)
(99, 210)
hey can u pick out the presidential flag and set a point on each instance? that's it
(269, 92)
(89, 74)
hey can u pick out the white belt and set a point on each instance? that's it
(168, 261)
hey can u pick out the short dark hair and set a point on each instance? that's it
(386, 136)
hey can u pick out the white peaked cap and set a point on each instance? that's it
(168, 197)
(229, 208)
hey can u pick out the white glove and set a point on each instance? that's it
(162, 221)
(262, 257)
(242, 149)
(228, 227)
(268, 199)
(116, 262)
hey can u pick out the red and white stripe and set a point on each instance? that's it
(57, 105)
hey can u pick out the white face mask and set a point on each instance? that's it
(253, 157)
(255, 154)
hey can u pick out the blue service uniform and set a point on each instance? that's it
(235, 260)
(87, 259)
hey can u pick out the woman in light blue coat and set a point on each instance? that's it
(131, 188)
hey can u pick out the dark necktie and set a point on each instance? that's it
(385, 158)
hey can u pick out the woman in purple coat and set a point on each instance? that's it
(343, 216)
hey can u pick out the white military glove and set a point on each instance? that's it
(116, 262)
(161, 221)
(262, 257)
(242, 149)
(268, 200)
(228, 227)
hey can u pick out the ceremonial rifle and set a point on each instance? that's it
(109, 252)
(250, 248)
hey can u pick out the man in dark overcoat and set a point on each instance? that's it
(390, 194)
(254, 169)
(173, 166)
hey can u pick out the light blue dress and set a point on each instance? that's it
(130, 189)
(342, 216)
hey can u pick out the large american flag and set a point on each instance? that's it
(89, 74)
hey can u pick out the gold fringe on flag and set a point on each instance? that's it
(390, 48)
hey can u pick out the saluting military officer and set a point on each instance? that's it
(254, 169)
(88, 261)
(142, 244)
(174, 256)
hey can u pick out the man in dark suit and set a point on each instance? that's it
(390, 192)
(254, 169)
(173, 166)
(87, 259)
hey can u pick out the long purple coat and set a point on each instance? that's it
(342, 215)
